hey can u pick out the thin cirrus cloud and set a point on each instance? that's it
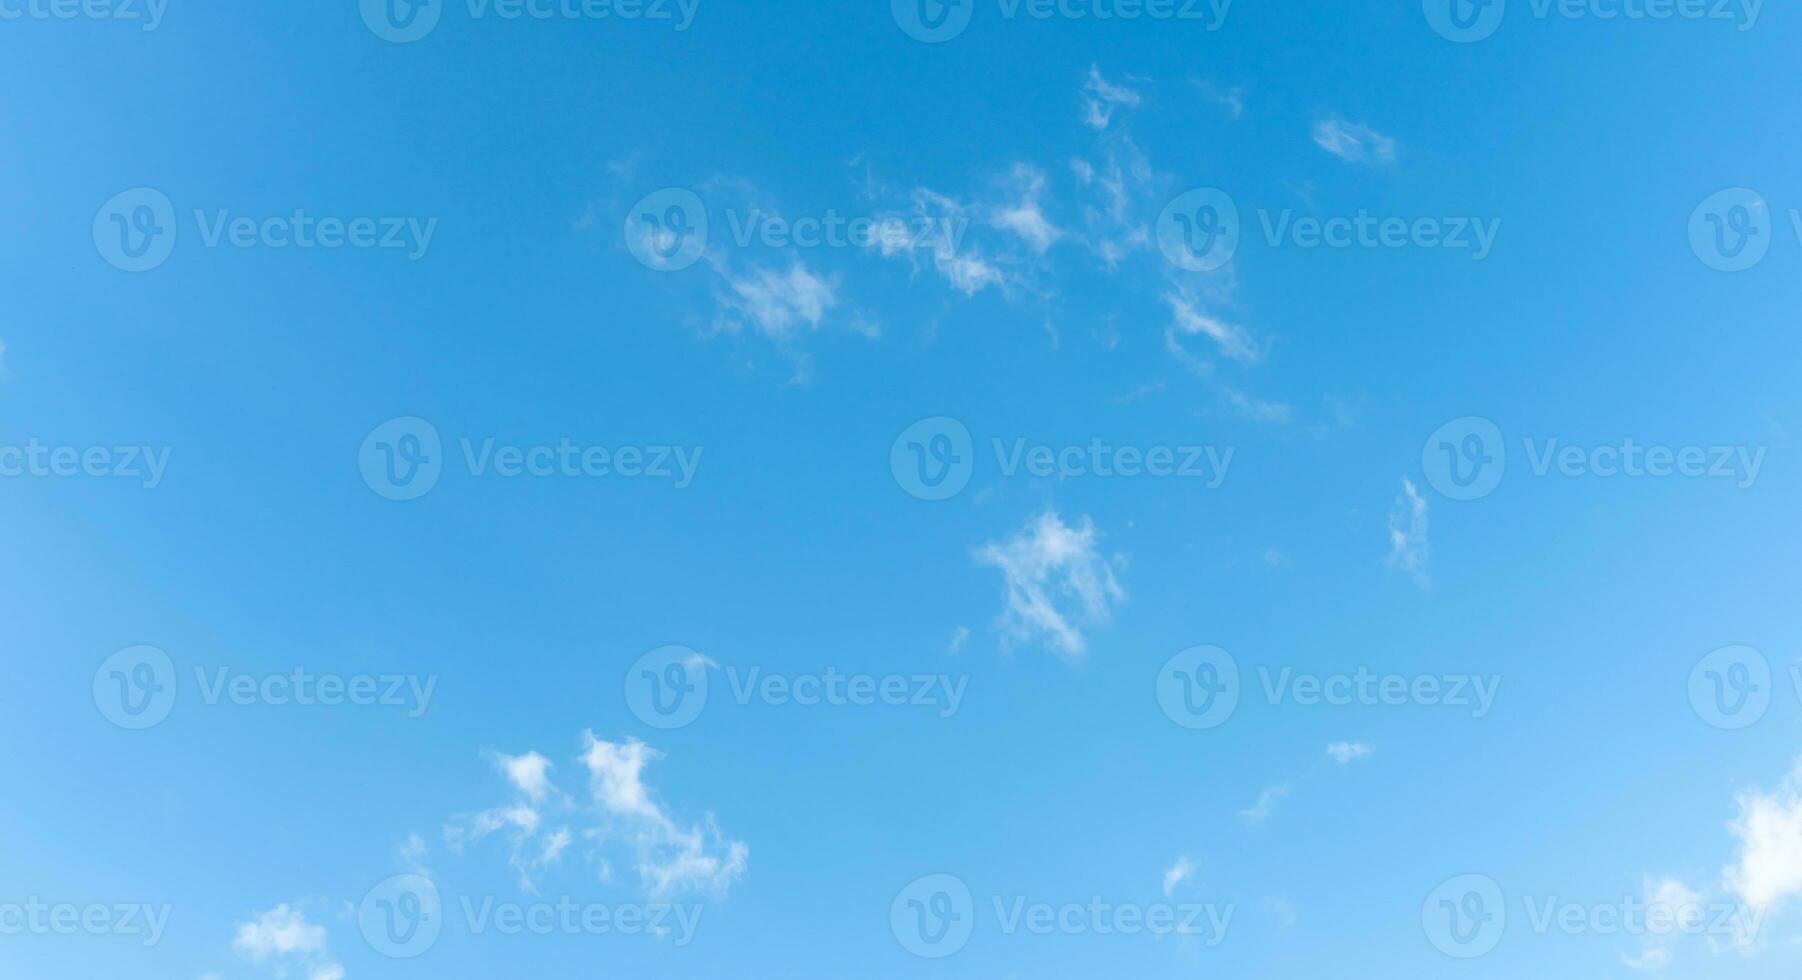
(1409, 549)
(1057, 584)
(1101, 98)
(1341, 753)
(1009, 234)
(1176, 874)
(619, 813)
(1353, 142)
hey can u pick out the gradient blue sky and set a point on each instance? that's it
(1054, 144)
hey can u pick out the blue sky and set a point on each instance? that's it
(1315, 476)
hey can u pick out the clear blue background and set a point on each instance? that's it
(263, 549)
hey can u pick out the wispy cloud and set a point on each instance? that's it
(1101, 98)
(1353, 142)
(1057, 583)
(1347, 752)
(1187, 321)
(1176, 874)
(669, 855)
(1409, 550)
(1023, 215)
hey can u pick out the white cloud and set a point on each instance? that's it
(1188, 321)
(281, 931)
(777, 303)
(1256, 409)
(1409, 550)
(962, 265)
(1260, 811)
(1024, 216)
(1101, 98)
(1353, 142)
(1232, 100)
(620, 809)
(1057, 583)
(283, 934)
(1667, 901)
(959, 637)
(1181, 871)
(1346, 752)
(1769, 829)
(670, 857)
(530, 773)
